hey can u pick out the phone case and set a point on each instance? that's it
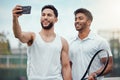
(26, 9)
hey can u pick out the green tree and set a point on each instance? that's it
(4, 45)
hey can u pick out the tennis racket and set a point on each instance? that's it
(95, 59)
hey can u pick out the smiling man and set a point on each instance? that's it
(47, 52)
(85, 45)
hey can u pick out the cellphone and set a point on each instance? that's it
(26, 10)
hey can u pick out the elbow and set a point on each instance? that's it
(19, 37)
(15, 36)
(111, 68)
(110, 65)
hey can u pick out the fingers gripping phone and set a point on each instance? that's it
(26, 10)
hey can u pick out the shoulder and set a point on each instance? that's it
(101, 39)
(103, 42)
(96, 37)
(63, 40)
(64, 43)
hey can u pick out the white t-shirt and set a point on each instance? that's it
(81, 52)
(44, 59)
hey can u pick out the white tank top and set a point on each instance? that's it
(44, 61)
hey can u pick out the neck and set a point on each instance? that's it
(83, 34)
(47, 33)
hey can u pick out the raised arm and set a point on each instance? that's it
(66, 70)
(24, 37)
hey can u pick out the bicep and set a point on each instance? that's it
(64, 54)
(26, 37)
(105, 59)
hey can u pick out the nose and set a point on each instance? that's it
(76, 21)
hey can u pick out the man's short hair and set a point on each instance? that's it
(85, 12)
(52, 8)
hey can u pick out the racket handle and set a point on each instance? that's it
(95, 77)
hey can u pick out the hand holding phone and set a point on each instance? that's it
(25, 10)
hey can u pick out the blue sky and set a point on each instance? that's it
(106, 15)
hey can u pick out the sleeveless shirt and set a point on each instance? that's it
(44, 61)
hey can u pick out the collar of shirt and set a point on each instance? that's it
(91, 35)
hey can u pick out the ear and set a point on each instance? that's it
(89, 22)
(56, 19)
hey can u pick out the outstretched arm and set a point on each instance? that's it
(66, 70)
(24, 37)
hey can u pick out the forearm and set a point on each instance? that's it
(16, 27)
(66, 72)
(108, 70)
(109, 67)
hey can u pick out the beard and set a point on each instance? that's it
(80, 27)
(47, 27)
